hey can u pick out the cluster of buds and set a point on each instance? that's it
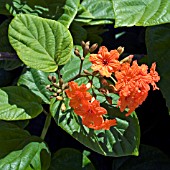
(86, 49)
(56, 88)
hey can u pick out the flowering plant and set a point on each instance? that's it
(85, 88)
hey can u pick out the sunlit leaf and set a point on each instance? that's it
(120, 140)
(141, 13)
(27, 158)
(40, 43)
(18, 103)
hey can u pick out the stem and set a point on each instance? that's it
(81, 65)
(113, 79)
(8, 56)
(46, 126)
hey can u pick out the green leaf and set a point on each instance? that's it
(27, 158)
(150, 158)
(37, 81)
(120, 140)
(69, 158)
(70, 11)
(13, 138)
(96, 9)
(18, 103)
(157, 43)
(40, 43)
(71, 68)
(141, 13)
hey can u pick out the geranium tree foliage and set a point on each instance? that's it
(89, 91)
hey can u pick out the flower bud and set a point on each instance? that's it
(51, 89)
(63, 107)
(64, 86)
(93, 47)
(83, 44)
(55, 94)
(48, 86)
(59, 91)
(127, 59)
(120, 50)
(53, 79)
(56, 85)
(50, 78)
(77, 53)
(61, 82)
(59, 98)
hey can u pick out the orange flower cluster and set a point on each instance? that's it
(105, 62)
(87, 107)
(133, 84)
(132, 81)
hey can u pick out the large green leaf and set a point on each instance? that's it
(141, 13)
(13, 138)
(37, 81)
(40, 43)
(18, 103)
(120, 140)
(157, 43)
(29, 158)
(96, 12)
(69, 158)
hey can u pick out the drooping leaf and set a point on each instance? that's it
(18, 103)
(71, 68)
(157, 43)
(40, 43)
(13, 138)
(27, 158)
(37, 81)
(120, 140)
(141, 13)
(69, 158)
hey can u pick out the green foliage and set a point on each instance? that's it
(18, 104)
(13, 138)
(40, 43)
(68, 158)
(38, 37)
(157, 42)
(36, 81)
(120, 140)
(141, 13)
(27, 158)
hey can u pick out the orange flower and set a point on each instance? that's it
(77, 93)
(133, 85)
(87, 107)
(105, 62)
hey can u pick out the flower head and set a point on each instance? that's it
(105, 62)
(133, 85)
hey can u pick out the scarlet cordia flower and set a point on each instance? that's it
(91, 113)
(105, 62)
(133, 84)
(77, 93)
(87, 107)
